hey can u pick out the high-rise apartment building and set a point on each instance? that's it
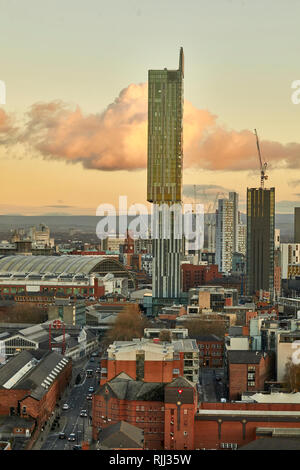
(211, 236)
(297, 225)
(165, 155)
(165, 144)
(226, 231)
(260, 240)
(242, 238)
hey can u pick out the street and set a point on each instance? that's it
(210, 389)
(70, 420)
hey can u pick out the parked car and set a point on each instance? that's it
(65, 406)
(72, 437)
(83, 414)
(62, 435)
(77, 447)
(89, 396)
(91, 389)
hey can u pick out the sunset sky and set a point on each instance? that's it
(73, 131)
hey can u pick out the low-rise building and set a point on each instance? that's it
(247, 371)
(31, 384)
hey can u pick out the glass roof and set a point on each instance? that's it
(66, 264)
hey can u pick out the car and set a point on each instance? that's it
(83, 414)
(89, 396)
(77, 447)
(91, 389)
(62, 435)
(72, 437)
(65, 406)
(92, 359)
(95, 354)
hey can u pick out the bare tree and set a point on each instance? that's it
(165, 335)
(292, 376)
(129, 324)
(23, 313)
(204, 327)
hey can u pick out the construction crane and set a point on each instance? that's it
(263, 167)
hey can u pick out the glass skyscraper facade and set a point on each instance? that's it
(165, 143)
(260, 240)
(164, 184)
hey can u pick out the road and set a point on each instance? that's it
(210, 389)
(70, 420)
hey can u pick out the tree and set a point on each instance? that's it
(129, 324)
(292, 376)
(165, 335)
(205, 327)
(23, 313)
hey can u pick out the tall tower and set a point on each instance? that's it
(164, 177)
(226, 231)
(260, 240)
(297, 225)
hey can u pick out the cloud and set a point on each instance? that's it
(113, 140)
(206, 194)
(8, 129)
(116, 139)
(204, 190)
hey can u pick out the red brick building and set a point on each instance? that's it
(171, 416)
(151, 361)
(31, 383)
(247, 371)
(231, 425)
(198, 275)
(165, 412)
(211, 351)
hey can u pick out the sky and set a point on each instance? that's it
(73, 130)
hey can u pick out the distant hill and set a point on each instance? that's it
(88, 223)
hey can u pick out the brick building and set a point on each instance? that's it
(121, 436)
(24, 278)
(211, 351)
(31, 384)
(165, 412)
(231, 425)
(171, 417)
(152, 361)
(247, 371)
(198, 275)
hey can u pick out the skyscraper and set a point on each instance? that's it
(165, 155)
(226, 231)
(297, 225)
(260, 240)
